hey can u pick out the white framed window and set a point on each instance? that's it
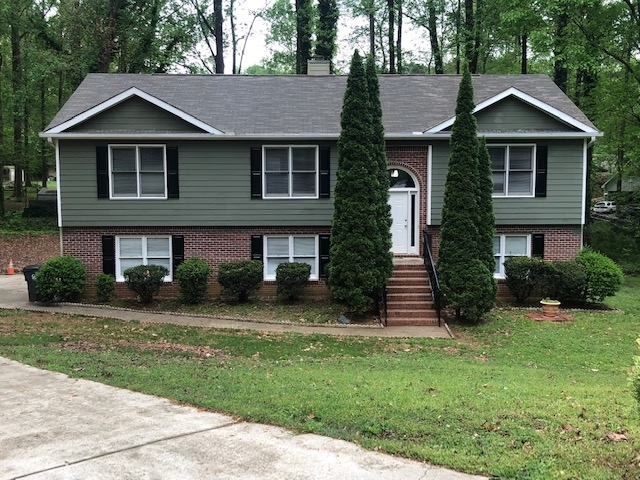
(290, 171)
(507, 246)
(138, 171)
(132, 251)
(512, 168)
(290, 248)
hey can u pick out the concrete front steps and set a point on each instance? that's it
(409, 300)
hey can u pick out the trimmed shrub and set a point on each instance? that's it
(291, 278)
(145, 280)
(240, 278)
(105, 287)
(603, 276)
(522, 275)
(61, 279)
(571, 280)
(473, 298)
(192, 276)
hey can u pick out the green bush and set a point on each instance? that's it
(522, 275)
(61, 279)
(145, 280)
(291, 278)
(240, 278)
(571, 279)
(192, 276)
(105, 287)
(603, 276)
(473, 298)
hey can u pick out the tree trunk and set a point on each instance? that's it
(433, 37)
(392, 50)
(234, 39)
(217, 19)
(523, 54)
(372, 32)
(44, 167)
(108, 46)
(399, 43)
(458, 25)
(560, 72)
(16, 84)
(469, 37)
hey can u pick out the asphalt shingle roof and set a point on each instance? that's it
(301, 104)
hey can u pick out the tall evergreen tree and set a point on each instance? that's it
(486, 219)
(466, 281)
(384, 257)
(304, 32)
(327, 30)
(353, 277)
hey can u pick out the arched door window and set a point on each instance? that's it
(400, 179)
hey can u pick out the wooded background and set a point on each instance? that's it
(589, 47)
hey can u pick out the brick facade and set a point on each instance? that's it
(415, 160)
(215, 245)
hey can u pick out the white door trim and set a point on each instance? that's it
(410, 246)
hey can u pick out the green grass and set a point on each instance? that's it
(511, 398)
(310, 311)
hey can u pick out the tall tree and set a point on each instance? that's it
(304, 34)
(466, 282)
(485, 221)
(383, 259)
(353, 276)
(327, 30)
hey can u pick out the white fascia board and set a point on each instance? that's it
(133, 91)
(514, 92)
(516, 135)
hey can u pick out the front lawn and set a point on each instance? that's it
(511, 398)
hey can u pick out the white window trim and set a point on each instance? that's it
(119, 277)
(137, 147)
(507, 163)
(503, 236)
(290, 196)
(266, 276)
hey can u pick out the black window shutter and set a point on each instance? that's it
(102, 170)
(537, 245)
(173, 185)
(256, 247)
(177, 251)
(541, 171)
(325, 170)
(324, 246)
(256, 172)
(109, 254)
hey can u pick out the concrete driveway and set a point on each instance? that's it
(55, 427)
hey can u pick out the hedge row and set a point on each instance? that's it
(63, 279)
(591, 277)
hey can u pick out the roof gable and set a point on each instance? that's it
(525, 98)
(117, 100)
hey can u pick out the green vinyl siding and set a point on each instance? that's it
(512, 114)
(135, 115)
(214, 178)
(562, 205)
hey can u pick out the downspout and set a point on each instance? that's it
(55, 143)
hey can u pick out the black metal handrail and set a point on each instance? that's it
(436, 293)
(382, 305)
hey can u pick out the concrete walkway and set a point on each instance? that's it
(13, 294)
(56, 427)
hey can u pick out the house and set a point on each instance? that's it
(158, 168)
(628, 184)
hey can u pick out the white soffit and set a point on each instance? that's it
(514, 92)
(127, 94)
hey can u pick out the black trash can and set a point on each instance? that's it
(30, 276)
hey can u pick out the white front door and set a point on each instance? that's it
(401, 218)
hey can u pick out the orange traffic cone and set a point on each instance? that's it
(10, 270)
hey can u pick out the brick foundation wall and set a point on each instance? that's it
(560, 243)
(215, 245)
